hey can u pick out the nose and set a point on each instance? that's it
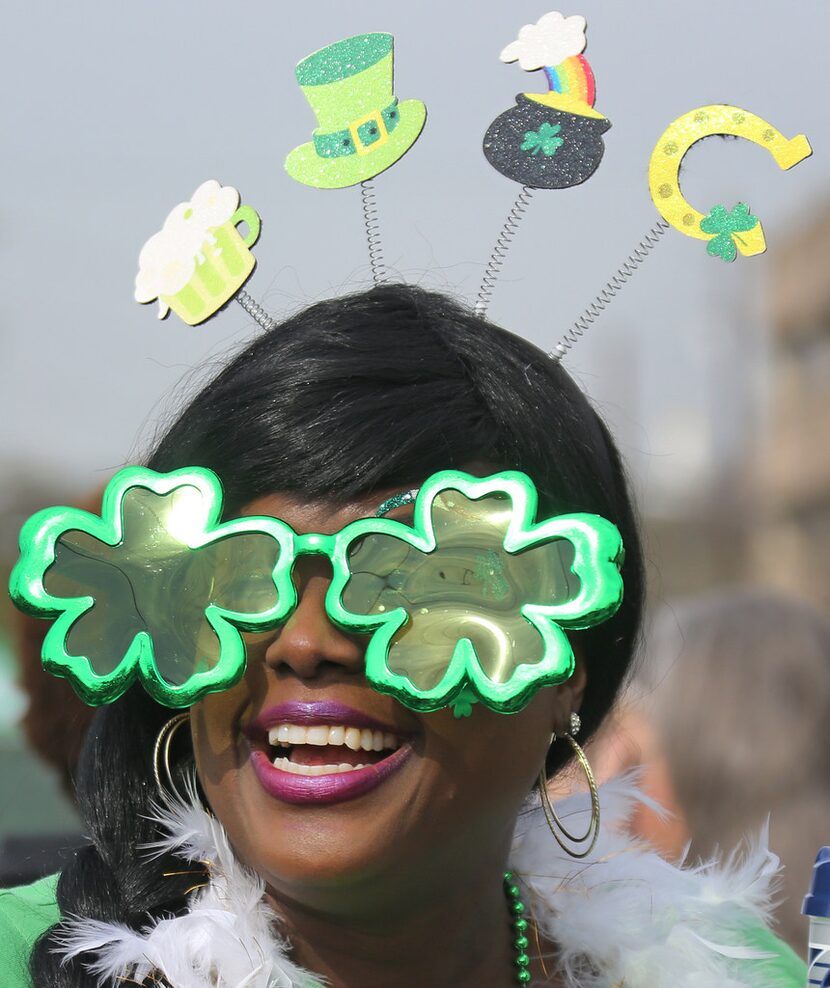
(308, 645)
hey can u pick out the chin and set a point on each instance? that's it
(296, 846)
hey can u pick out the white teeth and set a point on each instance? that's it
(296, 734)
(317, 735)
(321, 735)
(284, 765)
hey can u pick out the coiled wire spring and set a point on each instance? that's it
(505, 238)
(255, 310)
(372, 224)
(610, 291)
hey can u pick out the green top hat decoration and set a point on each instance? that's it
(363, 129)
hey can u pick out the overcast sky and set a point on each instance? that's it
(114, 112)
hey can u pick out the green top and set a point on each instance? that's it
(343, 59)
(25, 913)
(28, 911)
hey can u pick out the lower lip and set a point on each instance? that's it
(320, 789)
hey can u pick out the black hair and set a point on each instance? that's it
(350, 395)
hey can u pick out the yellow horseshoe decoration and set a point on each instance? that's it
(704, 121)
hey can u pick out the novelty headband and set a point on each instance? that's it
(549, 140)
(467, 604)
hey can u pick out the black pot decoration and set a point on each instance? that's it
(543, 147)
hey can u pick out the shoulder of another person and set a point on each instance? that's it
(25, 913)
(781, 966)
(638, 919)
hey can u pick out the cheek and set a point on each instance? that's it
(216, 742)
(494, 758)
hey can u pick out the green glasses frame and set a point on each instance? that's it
(159, 576)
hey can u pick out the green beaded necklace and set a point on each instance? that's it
(520, 925)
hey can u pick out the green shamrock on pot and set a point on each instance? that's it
(544, 140)
(155, 589)
(726, 225)
(470, 603)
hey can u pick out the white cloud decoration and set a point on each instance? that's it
(549, 41)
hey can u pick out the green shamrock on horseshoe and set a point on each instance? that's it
(726, 225)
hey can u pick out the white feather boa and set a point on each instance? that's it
(622, 916)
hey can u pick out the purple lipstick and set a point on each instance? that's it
(323, 752)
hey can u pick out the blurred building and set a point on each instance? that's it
(790, 546)
(763, 516)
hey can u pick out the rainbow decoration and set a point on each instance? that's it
(573, 77)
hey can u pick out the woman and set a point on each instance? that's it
(318, 422)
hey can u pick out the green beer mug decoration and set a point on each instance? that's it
(199, 260)
(469, 603)
(362, 128)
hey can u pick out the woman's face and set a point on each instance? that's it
(442, 795)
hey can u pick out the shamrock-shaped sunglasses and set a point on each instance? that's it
(466, 604)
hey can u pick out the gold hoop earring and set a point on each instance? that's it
(161, 757)
(556, 826)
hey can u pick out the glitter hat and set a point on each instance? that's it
(363, 129)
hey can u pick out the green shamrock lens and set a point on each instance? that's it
(155, 588)
(132, 584)
(470, 603)
(470, 588)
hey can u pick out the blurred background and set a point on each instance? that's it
(713, 376)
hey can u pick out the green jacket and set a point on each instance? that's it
(25, 913)
(28, 911)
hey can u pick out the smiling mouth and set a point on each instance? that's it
(322, 752)
(328, 749)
